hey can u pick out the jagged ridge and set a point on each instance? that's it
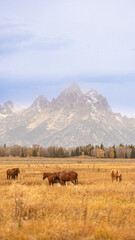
(72, 119)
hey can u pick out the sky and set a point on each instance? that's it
(45, 45)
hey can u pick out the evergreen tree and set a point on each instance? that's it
(114, 151)
(22, 154)
(72, 153)
(102, 146)
(133, 153)
(77, 151)
(54, 152)
(34, 154)
(60, 152)
(121, 145)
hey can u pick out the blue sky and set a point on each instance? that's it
(47, 45)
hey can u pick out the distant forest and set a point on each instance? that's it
(97, 151)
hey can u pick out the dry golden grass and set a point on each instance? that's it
(95, 209)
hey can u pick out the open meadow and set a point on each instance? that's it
(94, 209)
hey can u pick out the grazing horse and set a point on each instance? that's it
(16, 172)
(52, 178)
(115, 175)
(68, 176)
(13, 173)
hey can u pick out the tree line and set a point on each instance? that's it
(96, 151)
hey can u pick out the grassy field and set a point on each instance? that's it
(95, 209)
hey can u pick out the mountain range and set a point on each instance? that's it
(72, 119)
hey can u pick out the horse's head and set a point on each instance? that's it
(44, 176)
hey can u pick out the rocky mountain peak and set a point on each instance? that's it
(92, 92)
(9, 107)
(8, 104)
(73, 89)
(72, 119)
(96, 99)
(68, 98)
(40, 103)
(41, 100)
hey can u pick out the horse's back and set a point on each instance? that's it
(68, 176)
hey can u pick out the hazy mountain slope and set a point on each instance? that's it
(72, 119)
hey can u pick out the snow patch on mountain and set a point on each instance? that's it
(71, 115)
(118, 118)
(85, 117)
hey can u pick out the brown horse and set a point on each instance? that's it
(68, 176)
(13, 173)
(115, 175)
(52, 178)
(16, 172)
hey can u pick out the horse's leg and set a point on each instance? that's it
(64, 182)
(13, 176)
(73, 181)
(119, 178)
(76, 181)
(61, 182)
